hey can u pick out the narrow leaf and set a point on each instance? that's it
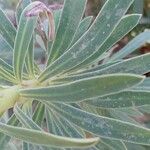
(43, 138)
(23, 38)
(92, 39)
(124, 99)
(132, 65)
(136, 43)
(83, 26)
(21, 6)
(69, 21)
(126, 24)
(30, 59)
(7, 30)
(38, 115)
(103, 126)
(4, 139)
(83, 89)
(4, 74)
(6, 66)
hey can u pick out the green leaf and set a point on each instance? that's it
(5, 50)
(4, 139)
(50, 122)
(30, 55)
(131, 146)
(25, 146)
(126, 24)
(43, 138)
(7, 30)
(98, 67)
(11, 146)
(6, 66)
(38, 115)
(63, 124)
(133, 45)
(125, 114)
(103, 126)
(30, 60)
(57, 128)
(57, 15)
(4, 74)
(91, 41)
(83, 89)
(132, 65)
(129, 98)
(24, 119)
(83, 26)
(114, 144)
(22, 41)
(69, 21)
(21, 6)
(137, 7)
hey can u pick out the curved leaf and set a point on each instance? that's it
(43, 138)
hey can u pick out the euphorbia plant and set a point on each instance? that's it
(66, 103)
